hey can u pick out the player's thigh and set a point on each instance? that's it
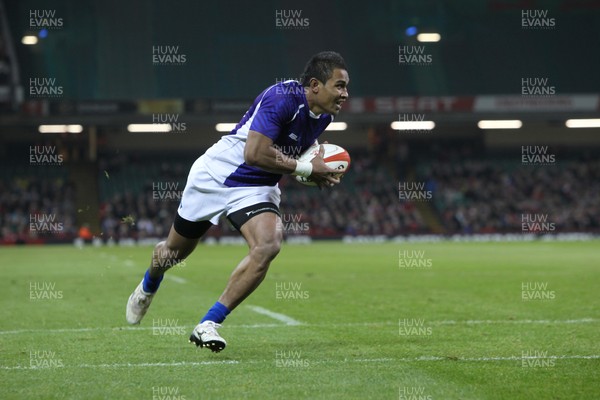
(184, 235)
(263, 230)
(182, 245)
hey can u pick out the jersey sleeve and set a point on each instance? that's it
(273, 113)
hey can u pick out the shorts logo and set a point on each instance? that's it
(293, 136)
(262, 209)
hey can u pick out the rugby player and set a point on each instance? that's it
(238, 177)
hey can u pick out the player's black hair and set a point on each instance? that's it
(321, 66)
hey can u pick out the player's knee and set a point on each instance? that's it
(266, 251)
(178, 247)
(161, 250)
(165, 254)
(169, 249)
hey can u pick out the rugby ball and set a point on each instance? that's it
(335, 157)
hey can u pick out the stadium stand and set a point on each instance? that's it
(36, 206)
(138, 196)
(147, 190)
(484, 196)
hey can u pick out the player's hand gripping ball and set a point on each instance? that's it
(335, 157)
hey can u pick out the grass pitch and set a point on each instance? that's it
(331, 321)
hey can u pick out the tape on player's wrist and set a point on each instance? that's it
(303, 169)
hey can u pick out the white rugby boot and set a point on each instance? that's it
(138, 304)
(205, 335)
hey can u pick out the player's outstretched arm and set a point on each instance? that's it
(259, 152)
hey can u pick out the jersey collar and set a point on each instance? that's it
(313, 115)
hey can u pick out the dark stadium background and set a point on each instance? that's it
(108, 178)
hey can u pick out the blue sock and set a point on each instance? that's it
(217, 313)
(151, 285)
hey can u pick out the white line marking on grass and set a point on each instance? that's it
(124, 328)
(251, 326)
(373, 360)
(19, 331)
(292, 322)
(346, 360)
(159, 364)
(176, 279)
(129, 365)
(279, 317)
(509, 358)
(515, 321)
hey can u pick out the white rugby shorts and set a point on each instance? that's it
(206, 199)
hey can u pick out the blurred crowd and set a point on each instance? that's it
(366, 203)
(34, 209)
(130, 207)
(135, 216)
(485, 196)
(469, 195)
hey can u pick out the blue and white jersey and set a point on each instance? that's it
(281, 113)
